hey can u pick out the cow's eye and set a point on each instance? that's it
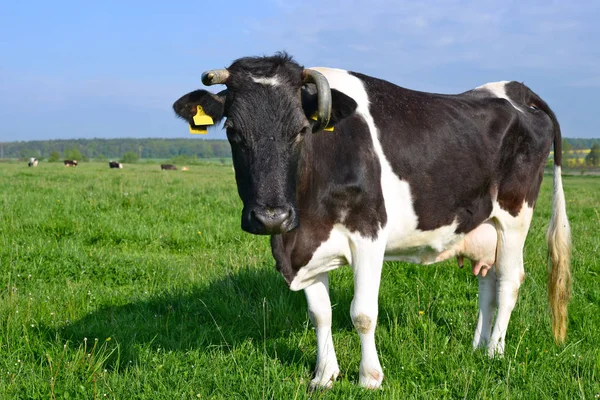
(297, 138)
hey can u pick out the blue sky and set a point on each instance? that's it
(73, 69)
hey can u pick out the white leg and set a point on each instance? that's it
(367, 264)
(510, 273)
(507, 288)
(319, 311)
(487, 308)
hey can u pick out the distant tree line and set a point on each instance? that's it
(576, 152)
(576, 156)
(581, 144)
(103, 149)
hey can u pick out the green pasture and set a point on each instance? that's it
(139, 284)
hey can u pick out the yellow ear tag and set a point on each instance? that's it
(195, 130)
(201, 118)
(201, 121)
(314, 117)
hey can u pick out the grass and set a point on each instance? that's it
(139, 283)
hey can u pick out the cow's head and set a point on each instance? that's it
(270, 105)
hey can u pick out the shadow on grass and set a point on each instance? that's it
(250, 306)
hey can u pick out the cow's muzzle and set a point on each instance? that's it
(261, 220)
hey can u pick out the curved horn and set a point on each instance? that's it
(215, 76)
(323, 95)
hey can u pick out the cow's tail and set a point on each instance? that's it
(559, 244)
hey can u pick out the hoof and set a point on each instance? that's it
(495, 350)
(323, 381)
(371, 380)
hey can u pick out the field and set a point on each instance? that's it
(139, 284)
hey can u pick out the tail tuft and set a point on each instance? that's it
(559, 255)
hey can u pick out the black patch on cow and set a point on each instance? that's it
(525, 149)
(455, 150)
(339, 181)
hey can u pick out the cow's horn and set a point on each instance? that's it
(215, 76)
(323, 95)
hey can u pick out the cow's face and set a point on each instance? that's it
(268, 107)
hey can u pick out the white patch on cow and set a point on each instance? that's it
(402, 219)
(424, 247)
(268, 81)
(498, 89)
(520, 223)
(559, 218)
(331, 254)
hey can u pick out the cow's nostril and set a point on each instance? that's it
(273, 219)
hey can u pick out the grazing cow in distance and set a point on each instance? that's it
(405, 175)
(170, 167)
(115, 164)
(33, 162)
(70, 163)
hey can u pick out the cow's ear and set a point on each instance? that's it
(342, 106)
(212, 105)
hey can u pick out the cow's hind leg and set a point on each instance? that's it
(510, 273)
(367, 261)
(487, 308)
(319, 311)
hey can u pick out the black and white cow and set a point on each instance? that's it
(405, 175)
(70, 163)
(115, 164)
(33, 162)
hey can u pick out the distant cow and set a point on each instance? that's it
(70, 163)
(114, 164)
(33, 162)
(185, 168)
(168, 167)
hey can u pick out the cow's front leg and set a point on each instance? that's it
(319, 312)
(367, 264)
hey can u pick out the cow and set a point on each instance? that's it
(70, 163)
(405, 175)
(168, 167)
(33, 162)
(185, 168)
(115, 164)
